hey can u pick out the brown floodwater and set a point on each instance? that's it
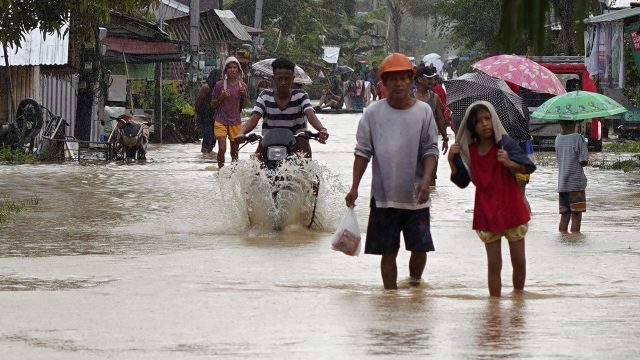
(159, 261)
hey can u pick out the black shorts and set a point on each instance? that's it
(385, 225)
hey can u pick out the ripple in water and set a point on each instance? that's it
(14, 283)
(266, 200)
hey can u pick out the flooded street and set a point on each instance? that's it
(151, 262)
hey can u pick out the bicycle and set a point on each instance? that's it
(53, 136)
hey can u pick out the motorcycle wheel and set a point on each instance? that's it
(130, 153)
(29, 119)
(115, 150)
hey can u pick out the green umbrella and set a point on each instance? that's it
(577, 105)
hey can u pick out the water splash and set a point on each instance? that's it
(266, 200)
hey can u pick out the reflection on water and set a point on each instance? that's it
(502, 329)
(577, 239)
(158, 261)
(412, 338)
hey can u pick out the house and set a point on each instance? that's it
(170, 9)
(221, 34)
(41, 70)
(605, 60)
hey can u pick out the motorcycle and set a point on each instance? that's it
(129, 138)
(294, 188)
(24, 131)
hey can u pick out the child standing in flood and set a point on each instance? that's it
(572, 156)
(485, 155)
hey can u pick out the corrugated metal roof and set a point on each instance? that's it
(613, 16)
(231, 22)
(37, 50)
(212, 28)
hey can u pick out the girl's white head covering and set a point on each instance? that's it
(463, 137)
(233, 59)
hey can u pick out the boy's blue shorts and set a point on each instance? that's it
(385, 225)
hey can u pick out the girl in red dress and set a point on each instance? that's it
(485, 155)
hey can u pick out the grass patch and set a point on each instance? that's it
(624, 165)
(15, 156)
(8, 207)
(622, 147)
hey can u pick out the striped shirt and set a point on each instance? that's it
(292, 117)
(397, 142)
(571, 149)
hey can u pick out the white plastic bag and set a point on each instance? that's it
(347, 235)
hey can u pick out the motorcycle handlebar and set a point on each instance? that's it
(253, 137)
(120, 119)
(308, 135)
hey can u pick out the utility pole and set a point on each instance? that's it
(257, 23)
(158, 80)
(194, 42)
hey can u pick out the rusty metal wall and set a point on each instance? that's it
(58, 94)
(55, 91)
(22, 85)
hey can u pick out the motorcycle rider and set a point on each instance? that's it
(284, 107)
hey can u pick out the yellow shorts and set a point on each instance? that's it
(230, 131)
(514, 234)
(522, 178)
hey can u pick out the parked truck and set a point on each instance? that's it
(573, 73)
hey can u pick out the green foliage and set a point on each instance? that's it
(471, 24)
(15, 156)
(142, 93)
(358, 37)
(291, 17)
(527, 19)
(188, 109)
(18, 17)
(521, 17)
(175, 104)
(8, 207)
(518, 26)
(298, 29)
(624, 165)
(622, 147)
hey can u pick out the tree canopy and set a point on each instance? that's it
(298, 29)
(514, 26)
(18, 17)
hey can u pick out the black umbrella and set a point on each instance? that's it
(342, 69)
(472, 87)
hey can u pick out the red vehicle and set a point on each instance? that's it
(573, 73)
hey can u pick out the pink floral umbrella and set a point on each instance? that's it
(523, 72)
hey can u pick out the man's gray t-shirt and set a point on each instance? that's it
(397, 141)
(571, 149)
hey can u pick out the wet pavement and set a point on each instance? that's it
(157, 261)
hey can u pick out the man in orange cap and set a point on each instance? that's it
(399, 135)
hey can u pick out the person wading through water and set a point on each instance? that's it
(399, 136)
(230, 96)
(206, 112)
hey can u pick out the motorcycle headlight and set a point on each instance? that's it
(276, 153)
